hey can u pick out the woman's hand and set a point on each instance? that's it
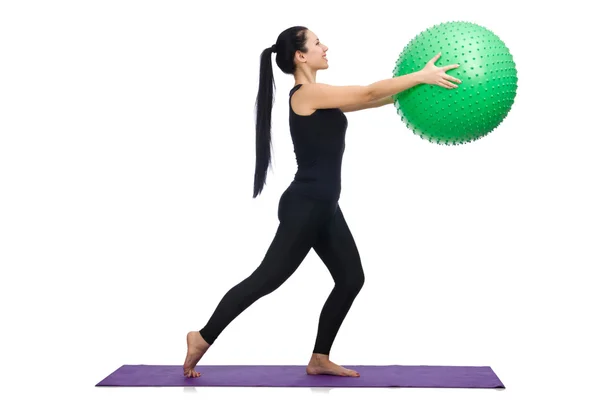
(432, 75)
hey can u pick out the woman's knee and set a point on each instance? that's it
(353, 282)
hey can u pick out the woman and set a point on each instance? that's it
(309, 214)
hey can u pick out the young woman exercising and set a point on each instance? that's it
(309, 214)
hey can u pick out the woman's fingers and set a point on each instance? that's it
(451, 78)
(435, 58)
(448, 85)
(448, 67)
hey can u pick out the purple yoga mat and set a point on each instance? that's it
(295, 376)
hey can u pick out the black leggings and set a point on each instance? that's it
(304, 223)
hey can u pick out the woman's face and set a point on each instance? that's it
(315, 57)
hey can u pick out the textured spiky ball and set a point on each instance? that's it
(481, 101)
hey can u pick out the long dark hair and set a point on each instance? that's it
(288, 42)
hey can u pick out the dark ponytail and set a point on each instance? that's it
(264, 106)
(288, 42)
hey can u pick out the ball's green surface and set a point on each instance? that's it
(481, 101)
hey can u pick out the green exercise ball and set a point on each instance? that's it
(479, 104)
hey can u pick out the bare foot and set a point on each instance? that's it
(320, 365)
(197, 346)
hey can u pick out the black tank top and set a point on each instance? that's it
(319, 144)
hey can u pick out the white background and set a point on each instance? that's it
(126, 172)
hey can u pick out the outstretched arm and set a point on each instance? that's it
(372, 104)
